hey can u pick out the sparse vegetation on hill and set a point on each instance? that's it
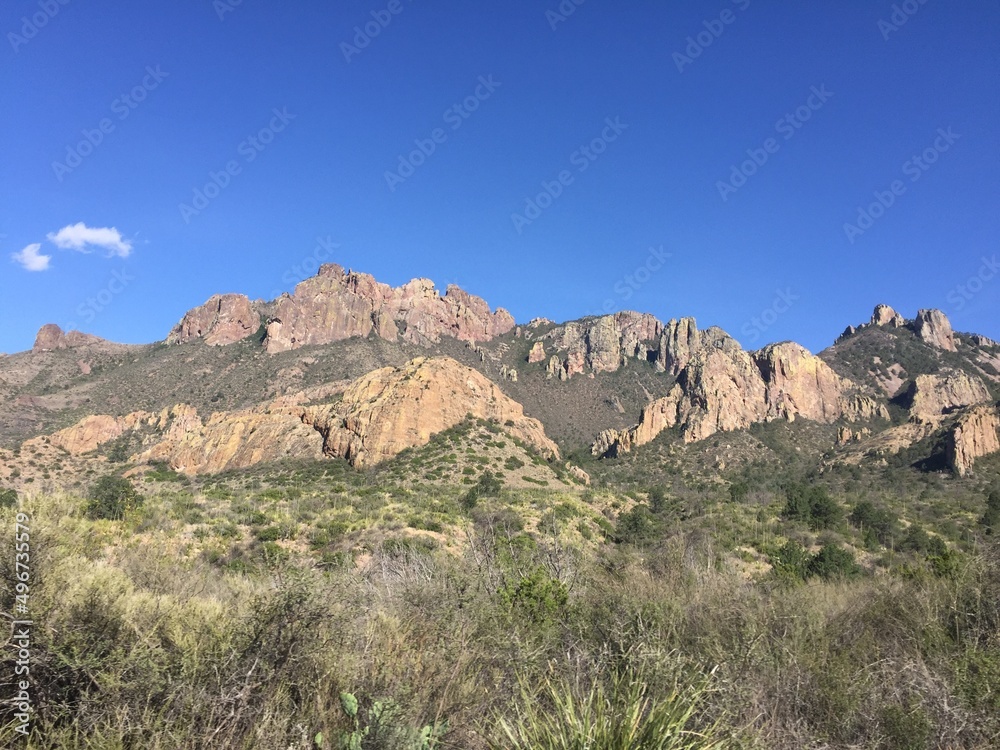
(795, 584)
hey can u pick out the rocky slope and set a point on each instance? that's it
(365, 422)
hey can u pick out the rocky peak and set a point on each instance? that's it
(223, 319)
(934, 327)
(886, 316)
(51, 337)
(337, 304)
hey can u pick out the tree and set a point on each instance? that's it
(991, 518)
(874, 521)
(916, 539)
(112, 497)
(637, 526)
(813, 505)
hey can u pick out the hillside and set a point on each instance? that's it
(458, 521)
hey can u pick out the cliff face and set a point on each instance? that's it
(932, 396)
(723, 388)
(975, 434)
(223, 319)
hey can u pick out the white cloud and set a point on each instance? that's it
(31, 260)
(80, 237)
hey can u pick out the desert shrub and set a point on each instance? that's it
(636, 526)
(915, 540)
(623, 712)
(489, 485)
(8, 498)
(536, 597)
(112, 497)
(791, 561)
(833, 562)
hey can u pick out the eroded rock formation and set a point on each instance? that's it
(376, 417)
(223, 319)
(51, 338)
(975, 434)
(337, 304)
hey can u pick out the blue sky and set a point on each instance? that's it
(701, 158)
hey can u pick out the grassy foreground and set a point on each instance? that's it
(147, 637)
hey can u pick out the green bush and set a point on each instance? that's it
(813, 505)
(637, 526)
(877, 522)
(833, 562)
(537, 597)
(489, 485)
(8, 498)
(112, 497)
(791, 561)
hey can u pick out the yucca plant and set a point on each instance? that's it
(623, 712)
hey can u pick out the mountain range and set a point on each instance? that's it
(350, 368)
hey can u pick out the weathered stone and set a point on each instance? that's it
(337, 304)
(537, 353)
(886, 316)
(976, 434)
(223, 319)
(51, 338)
(934, 327)
(932, 396)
